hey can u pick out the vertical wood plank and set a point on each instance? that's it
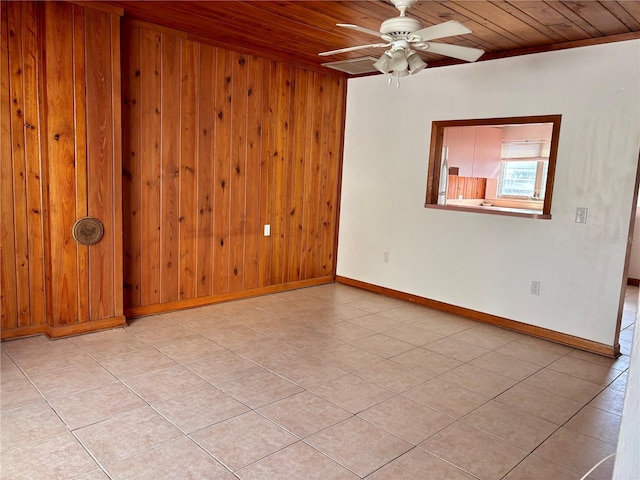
(253, 228)
(297, 175)
(312, 269)
(116, 122)
(100, 161)
(60, 138)
(267, 131)
(222, 171)
(31, 61)
(8, 294)
(238, 171)
(150, 49)
(281, 163)
(82, 204)
(332, 159)
(188, 168)
(206, 169)
(170, 176)
(21, 250)
(131, 163)
(309, 176)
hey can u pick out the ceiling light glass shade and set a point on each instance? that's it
(400, 73)
(415, 63)
(398, 61)
(382, 64)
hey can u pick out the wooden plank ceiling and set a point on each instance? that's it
(296, 31)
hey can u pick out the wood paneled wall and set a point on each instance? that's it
(22, 272)
(61, 161)
(216, 144)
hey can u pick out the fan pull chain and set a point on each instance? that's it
(389, 78)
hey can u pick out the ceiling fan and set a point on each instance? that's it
(404, 35)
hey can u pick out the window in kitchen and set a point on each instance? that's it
(501, 166)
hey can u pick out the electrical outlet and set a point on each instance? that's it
(535, 288)
(581, 215)
(385, 257)
(267, 230)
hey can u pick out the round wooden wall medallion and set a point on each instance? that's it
(88, 231)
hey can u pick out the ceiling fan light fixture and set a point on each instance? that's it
(382, 64)
(416, 63)
(398, 61)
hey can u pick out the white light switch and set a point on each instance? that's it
(267, 230)
(581, 215)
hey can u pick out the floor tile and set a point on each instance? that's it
(541, 403)
(611, 399)
(347, 357)
(109, 343)
(536, 468)
(95, 475)
(137, 362)
(84, 376)
(511, 425)
(409, 420)
(269, 353)
(546, 344)
(481, 338)
(304, 414)
(222, 368)
(234, 337)
(160, 385)
(529, 353)
(95, 405)
(588, 371)
(620, 363)
(565, 385)
(474, 451)
(310, 340)
(192, 349)
(180, 458)
(377, 323)
(413, 465)
(18, 393)
(375, 304)
(296, 462)
(446, 397)
(449, 347)
(383, 346)
(307, 371)
(161, 332)
(352, 393)
(200, 409)
(242, 440)
(9, 371)
(478, 380)
(596, 423)
(428, 362)
(127, 435)
(414, 335)
(358, 445)
(259, 387)
(30, 424)
(57, 458)
(346, 332)
(442, 326)
(506, 366)
(53, 355)
(393, 376)
(577, 452)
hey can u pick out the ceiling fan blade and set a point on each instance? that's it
(455, 51)
(359, 29)
(351, 49)
(442, 30)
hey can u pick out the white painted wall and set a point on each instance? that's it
(634, 261)
(487, 262)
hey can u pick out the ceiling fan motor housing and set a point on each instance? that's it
(400, 26)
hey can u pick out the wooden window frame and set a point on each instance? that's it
(435, 162)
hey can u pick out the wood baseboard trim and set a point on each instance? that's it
(19, 332)
(540, 332)
(223, 297)
(635, 282)
(85, 327)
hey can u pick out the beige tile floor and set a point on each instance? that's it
(325, 383)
